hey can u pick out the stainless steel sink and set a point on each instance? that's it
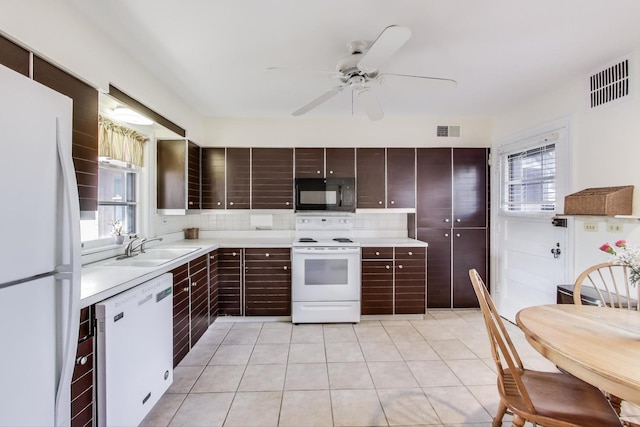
(151, 258)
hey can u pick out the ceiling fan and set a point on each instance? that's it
(361, 68)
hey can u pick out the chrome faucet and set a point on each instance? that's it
(131, 246)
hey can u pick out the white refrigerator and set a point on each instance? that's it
(39, 254)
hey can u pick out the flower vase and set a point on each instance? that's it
(118, 239)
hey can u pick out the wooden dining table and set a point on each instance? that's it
(599, 345)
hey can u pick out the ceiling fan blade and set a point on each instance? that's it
(369, 103)
(317, 101)
(431, 83)
(388, 42)
(297, 71)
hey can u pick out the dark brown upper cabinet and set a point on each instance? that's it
(178, 182)
(340, 162)
(85, 127)
(238, 178)
(370, 177)
(272, 178)
(470, 187)
(309, 162)
(401, 177)
(14, 57)
(434, 197)
(213, 178)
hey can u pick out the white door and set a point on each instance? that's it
(531, 255)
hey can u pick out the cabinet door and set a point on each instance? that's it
(434, 189)
(267, 281)
(410, 280)
(213, 171)
(309, 162)
(82, 382)
(199, 313)
(377, 287)
(470, 170)
(238, 178)
(469, 251)
(272, 178)
(193, 176)
(229, 298)
(439, 266)
(14, 57)
(171, 158)
(401, 177)
(213, 286)
(340, 162)
(180, 313)
(370, 180)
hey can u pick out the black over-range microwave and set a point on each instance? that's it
(326, 194)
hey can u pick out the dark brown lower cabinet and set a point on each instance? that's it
(82, 382)
(199, 298)
(229, 282)
(393, 280)
(267, 282)
(452, 253)
(213, 286)
(180, 313)
(410, 280)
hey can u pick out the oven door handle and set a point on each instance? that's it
(325, 251)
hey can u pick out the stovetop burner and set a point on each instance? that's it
(307, 240)
(343, 240)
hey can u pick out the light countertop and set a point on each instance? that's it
(100, 282)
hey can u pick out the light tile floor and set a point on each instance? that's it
(435, 371)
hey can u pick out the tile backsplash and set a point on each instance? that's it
(241, 221)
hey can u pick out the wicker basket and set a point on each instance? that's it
(600, 201)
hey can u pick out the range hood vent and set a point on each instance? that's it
(448, 131)
(609, 84)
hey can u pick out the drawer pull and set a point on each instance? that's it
(185, 289)
(213, 257)
(457, 234)
(285, 267)
(446, 234)
(287, 203)
(331, 172)
(400, 267)
(194, 284)
(387, 267)
(191, 203)
(393, 202)
(234, 254)
(379, 202)
(267, 254)
(317, 172)
(219, 203)
(410, 253)
(446, 220)
(82, 360)
(458, 220)
(377, 253)
(230, 203)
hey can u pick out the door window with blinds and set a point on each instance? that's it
(533, 174)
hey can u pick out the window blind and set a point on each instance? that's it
(530, 180)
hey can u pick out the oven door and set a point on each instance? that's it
(325, 274)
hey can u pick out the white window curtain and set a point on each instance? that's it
(119, 142)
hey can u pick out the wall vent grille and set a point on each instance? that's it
(448, 131)
(609, 84)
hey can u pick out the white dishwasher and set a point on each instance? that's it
(135, 351)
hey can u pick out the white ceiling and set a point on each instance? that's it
(213, 53)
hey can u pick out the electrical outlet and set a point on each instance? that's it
(591, 226)
(615, 228)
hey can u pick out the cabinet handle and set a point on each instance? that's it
(458, 220)
(82, 360)
(410, 253)
(285, 267)
(219, 203)
(234, 254)
(317, 172)
(230, 203)
(213, 257)
(287, 203)
(379, 202)
(185, 289)
(194, 284)
(400, 267)
(446, 234)
(387, 267)
(246, 269)
(457, 234)
(377, 253)
(446, 220)
(331, 172)
(393, 202)
(267, 254)
(191, 203)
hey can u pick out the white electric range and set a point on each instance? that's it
(325, 270)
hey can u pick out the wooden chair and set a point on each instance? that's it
(609, 284)
(551, 399)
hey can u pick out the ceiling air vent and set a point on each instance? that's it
(609, 84)
(448, 131)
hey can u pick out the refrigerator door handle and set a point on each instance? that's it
(71, 273)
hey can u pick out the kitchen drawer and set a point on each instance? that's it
(377, 253)
(411, 253)
(267, 254)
